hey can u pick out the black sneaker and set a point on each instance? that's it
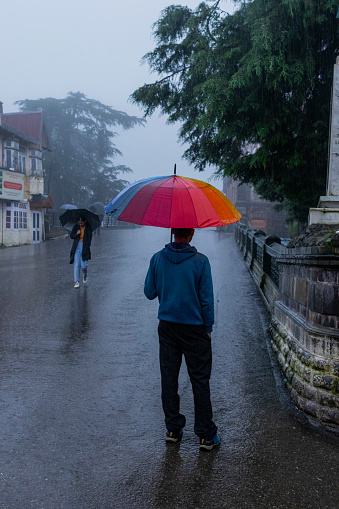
(173, 437)
(207, 445)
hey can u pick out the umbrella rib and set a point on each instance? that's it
(194, 189)
(189, 194)
(124, 197)
(201, 200)
(173, 201)
(200, 196)
(166, 179)
(231, 214)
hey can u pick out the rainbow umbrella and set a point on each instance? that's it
(173, 202)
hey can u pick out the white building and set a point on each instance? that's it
(22, 200)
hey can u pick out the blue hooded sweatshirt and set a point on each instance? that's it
(181, 279)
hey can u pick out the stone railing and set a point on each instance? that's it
(300, 288)
(261, 253)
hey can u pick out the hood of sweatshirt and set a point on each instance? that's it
(178, 252)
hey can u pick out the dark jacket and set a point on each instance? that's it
(181, 279)
(86, 251)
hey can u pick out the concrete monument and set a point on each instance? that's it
(327, 211)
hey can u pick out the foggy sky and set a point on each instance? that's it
(53, 47)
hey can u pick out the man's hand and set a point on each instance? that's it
(78, 232)
(209, 335)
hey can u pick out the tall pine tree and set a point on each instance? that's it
(79, 168)
(261, 78)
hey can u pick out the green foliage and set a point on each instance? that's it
(259, 78)
(294, 228)
(79, 168)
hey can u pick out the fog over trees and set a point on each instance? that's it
(79, 169)
(251, 90)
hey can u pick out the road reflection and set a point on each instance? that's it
(77, 325)
(183, 482)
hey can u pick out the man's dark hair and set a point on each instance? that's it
(82, 218)
(182, 233)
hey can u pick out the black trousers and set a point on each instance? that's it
(193, 342)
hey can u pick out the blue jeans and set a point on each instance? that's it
(79, 263)
(193, 342)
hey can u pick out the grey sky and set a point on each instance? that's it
(52, 47)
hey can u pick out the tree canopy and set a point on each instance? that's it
(79, 168)
(251, 90)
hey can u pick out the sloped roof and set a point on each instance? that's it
(41, 201)
(30, 124)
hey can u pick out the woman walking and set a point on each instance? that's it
(80, 253)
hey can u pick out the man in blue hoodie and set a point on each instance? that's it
(181, 279)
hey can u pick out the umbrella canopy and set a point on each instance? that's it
(69, 218)
(98, 208)
(173, 202)
(68, 206)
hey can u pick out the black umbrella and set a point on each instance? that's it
(69, 218)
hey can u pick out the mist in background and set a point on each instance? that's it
(53, 47)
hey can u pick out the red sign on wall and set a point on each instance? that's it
(12, 185)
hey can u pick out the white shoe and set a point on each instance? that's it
(76, 284)
(85, 280)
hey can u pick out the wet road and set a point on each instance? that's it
(81, 420)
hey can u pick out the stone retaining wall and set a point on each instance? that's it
(304, 307)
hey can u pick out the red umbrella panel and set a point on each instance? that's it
(173, 202)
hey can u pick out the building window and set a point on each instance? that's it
(11, 159)
(35, 163)
(16, 215)
(22, 160)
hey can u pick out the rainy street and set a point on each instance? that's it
(81, 419)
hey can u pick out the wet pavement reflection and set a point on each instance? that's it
(81, 419)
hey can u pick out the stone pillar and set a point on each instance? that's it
(327, 211)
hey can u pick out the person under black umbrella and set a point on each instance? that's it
(80, 253)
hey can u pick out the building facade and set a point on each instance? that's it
(22, 201)
(258, 213)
